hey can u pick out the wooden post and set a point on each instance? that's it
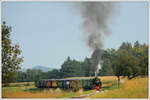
(118, 81)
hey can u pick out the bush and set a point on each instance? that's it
(77, 85)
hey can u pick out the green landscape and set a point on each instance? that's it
(118, 80)
(128, 89)
(121, 72)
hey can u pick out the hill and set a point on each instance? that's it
(43, 68)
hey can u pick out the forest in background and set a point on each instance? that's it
(128, 60)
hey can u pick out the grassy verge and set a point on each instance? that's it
(28, 90)
(135, 88)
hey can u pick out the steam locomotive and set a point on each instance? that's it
(92, 83)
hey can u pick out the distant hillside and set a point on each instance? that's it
(43, 68)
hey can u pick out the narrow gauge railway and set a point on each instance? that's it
(69, 83)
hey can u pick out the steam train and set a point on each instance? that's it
(93, 83)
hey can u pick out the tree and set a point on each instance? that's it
(10, 56)
(117, 66)
(53, 74)
(126, 46)
(137, 44)
(66, 68)
(87, 67)
(106, 63)
(71, 68)
(20, 76)
(141, 53)
(31, 75)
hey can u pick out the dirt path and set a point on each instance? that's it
(88, 95)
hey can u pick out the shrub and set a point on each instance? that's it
(77, 85)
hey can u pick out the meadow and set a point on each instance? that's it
(134, 88)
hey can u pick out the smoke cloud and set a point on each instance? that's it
(95, 17)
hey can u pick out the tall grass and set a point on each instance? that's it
(135, 88)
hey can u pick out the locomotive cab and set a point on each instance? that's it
(97, 84)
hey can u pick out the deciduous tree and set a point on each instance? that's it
(10, 56)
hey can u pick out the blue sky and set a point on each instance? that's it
(48, 32)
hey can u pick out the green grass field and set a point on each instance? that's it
(135, 88)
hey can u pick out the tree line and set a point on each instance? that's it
(128, 60)
(70, 68)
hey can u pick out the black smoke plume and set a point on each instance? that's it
(95, 16)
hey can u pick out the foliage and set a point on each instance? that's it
(141, 52)
(10, 56)
(72, 68)
(53, 74)
(77, 85)
(88, 67)
(106, 63)
(128, 60)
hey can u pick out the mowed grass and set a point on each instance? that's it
(134, 88)
(128, 89)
